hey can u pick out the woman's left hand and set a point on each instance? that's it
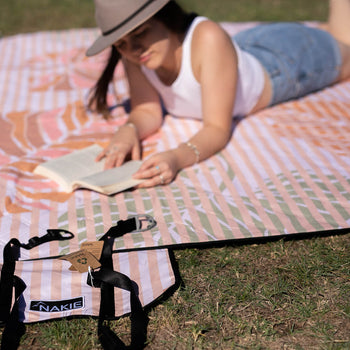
(159, 169)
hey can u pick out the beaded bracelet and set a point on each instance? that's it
(132, 125)
(194, 149)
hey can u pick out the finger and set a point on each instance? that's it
(101, 155)
(154, 181)
(150, 167)
(114, 160)
(109, 163)
(148, 172)
(106, 152)
(136, 152)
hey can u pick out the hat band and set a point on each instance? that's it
(128, 18)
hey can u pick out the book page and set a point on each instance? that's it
(68, 168)
(112, 180)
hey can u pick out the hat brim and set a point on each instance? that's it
(105, 41)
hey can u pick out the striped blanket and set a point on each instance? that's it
(286, 169)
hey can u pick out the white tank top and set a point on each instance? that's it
(183, 97)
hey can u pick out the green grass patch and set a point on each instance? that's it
(21, 16)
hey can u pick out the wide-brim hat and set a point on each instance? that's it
(116, 18)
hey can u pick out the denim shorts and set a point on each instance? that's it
(298, 59)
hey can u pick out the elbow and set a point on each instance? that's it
(225, 138)
(222, 137)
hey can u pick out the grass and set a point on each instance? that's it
(277, 295)
(257, 10)
(18, 16)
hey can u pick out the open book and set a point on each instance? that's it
(80, 170)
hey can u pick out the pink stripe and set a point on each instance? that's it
(122, 298)
(72, 223)
(35, 286)
(156, 284)
(49, 125)
(9, 48)
(162, 224)
(239, 203)
(106, 212)
(140, 209)
(34, 229)
(262, 187)
(277, 181)
(343, 140)
(89, 215)
(266, 220)
(319, 194)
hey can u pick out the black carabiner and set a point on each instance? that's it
(51, 235)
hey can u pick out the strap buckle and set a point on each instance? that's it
(141, 220)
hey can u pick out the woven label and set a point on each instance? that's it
(57, 305)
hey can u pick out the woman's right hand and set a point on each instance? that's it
(123, 143)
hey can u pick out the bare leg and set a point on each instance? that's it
(339, 26)
(339, 20)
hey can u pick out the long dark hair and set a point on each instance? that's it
(173, 17)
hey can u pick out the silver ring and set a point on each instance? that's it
(161, 179)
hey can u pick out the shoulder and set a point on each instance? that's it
(209, 32)
(211, 43)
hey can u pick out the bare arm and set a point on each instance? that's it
(214, 64)
(144, 119)
(146, 112)
(215, 67)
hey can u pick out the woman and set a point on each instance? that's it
(200, 72)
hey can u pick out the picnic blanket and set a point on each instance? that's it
(50, 281)
(285, 171)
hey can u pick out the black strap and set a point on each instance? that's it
(137, 223)
(108, 279)
(107, 293)
(105, 278)
(51, 235)
(6, 280)
(9, 318)
(14, 329)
